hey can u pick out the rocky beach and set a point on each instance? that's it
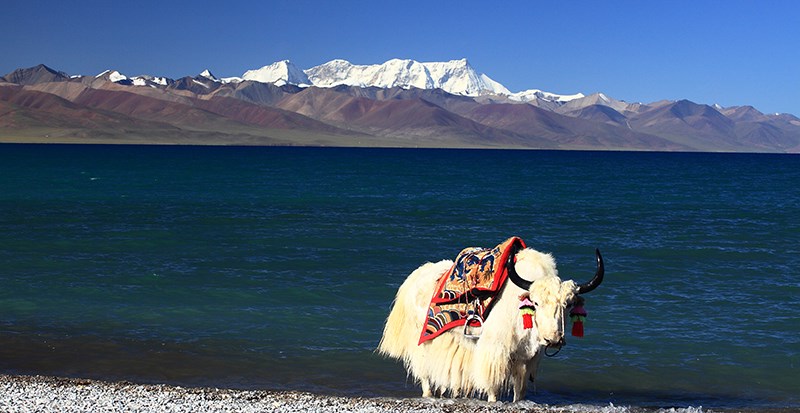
(65, 395)
(52, 394)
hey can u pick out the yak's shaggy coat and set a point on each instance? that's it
(504, 355)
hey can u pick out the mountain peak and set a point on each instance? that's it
(387, 104)
(152, 81)
(456, 76)
(279, 73)
(743, 113)
(208, 75)
(113, 76)
(536, 94)
(36, 74)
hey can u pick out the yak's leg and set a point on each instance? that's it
(426, 388)
(492, 395)
(519, 376)
(533, 365)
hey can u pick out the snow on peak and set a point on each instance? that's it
(536, 94)
(152, 81)
(208, 75)
(458, 77)
(112, 75)
(116, 76)
(233, 79)
(279, 73)
(163, 81)
(398, 73)
(335, 72)
(455, 76)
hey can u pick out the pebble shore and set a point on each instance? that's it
(51, 394)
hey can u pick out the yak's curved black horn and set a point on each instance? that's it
(515, 278)
(512, 271)
(598, 276)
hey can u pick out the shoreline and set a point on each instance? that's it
(59, 394)
(345, 145)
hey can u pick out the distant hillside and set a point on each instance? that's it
(407, 104)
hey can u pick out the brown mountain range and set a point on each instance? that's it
(40, 104)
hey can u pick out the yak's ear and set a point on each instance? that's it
(578, 301)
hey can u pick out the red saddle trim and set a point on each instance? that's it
(471, 284)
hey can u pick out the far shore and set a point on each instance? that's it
(315, 141)
(274, 138)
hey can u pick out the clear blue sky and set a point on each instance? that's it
(726, 52)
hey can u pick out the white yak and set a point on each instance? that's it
(505, 354)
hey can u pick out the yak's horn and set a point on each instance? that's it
(515, 278)
(598, 276)
(512, 270)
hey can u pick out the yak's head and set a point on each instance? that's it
(536, 273)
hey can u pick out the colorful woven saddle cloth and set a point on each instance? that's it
(470, 286)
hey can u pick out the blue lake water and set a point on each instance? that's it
(274, 268)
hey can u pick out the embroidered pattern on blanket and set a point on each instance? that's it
(471, 285)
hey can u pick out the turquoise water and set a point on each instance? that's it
(275, 267)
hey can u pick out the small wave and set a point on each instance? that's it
(610, 408)
(527, 405)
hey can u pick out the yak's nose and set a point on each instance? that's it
(556, 343)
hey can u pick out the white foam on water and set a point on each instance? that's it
(586, 408)
(610, 408)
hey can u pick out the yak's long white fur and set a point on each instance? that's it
(504, 355)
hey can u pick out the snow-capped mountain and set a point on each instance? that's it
(142, 80)
(394, 73)
(594, 99)
(279, 73)
(459, 78)
(113, 76)
(401, 109)
(208, 75)
(456, 76)
(534, 94)
(152, 81)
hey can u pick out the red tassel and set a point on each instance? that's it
(577, 315)
(577, 329)
(527, 321)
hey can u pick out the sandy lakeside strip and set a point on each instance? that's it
(55, 394)
(52, 394)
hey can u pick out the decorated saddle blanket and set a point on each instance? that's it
(469, 287)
